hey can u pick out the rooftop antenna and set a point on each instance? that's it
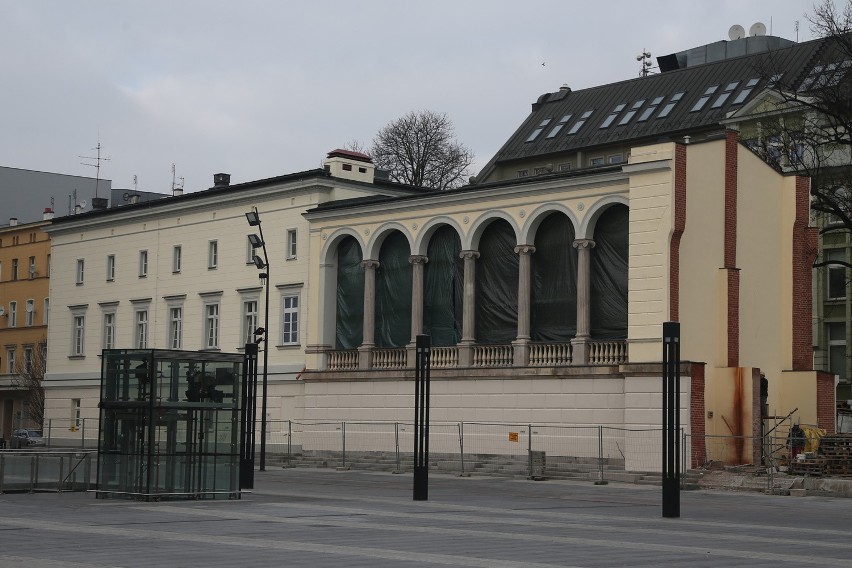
(135, 183)
(96, 165)
(645, 59)
(177, 183)
(796, 27)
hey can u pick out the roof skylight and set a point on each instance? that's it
(729, 88)
(538, 129)
(580, 122)
(743, 95)
(612, 116)
(704, 98)
(631, 113)
(646, 114)
(555, 130)
(671, 104)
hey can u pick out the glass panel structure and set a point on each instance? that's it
(170, 424)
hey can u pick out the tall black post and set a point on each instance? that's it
(423, 347)
(248, 391)
(671, 419)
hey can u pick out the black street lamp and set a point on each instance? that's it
(263, 265)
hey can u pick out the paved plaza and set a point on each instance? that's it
(317, 518)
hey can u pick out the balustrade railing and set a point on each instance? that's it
(343, 360)
(445, 357)
(492, 355)
(550, 354)
(389, 358)
(611, 352)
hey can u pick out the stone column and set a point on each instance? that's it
(365, 351)
(418, 263)
(469, 308)
(521, 344)
(580, 343)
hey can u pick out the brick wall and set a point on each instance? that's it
(730, 258)
(826, 403)
(805, 241)
(679, 226)
(697, 412)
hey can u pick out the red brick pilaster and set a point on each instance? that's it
(805, 243)
(696, 416)
(679, 226)
(826, 402)
(730, 259)
(733, 317)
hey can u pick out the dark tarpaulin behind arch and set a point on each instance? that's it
(393, 292)
(497, 285)
(350, 295)
(443, 288)
(553, 303)
(608, 281)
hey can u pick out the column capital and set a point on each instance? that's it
(370, 264)
(466, 254)
(584, 243)
(525, 249)
(418, 259)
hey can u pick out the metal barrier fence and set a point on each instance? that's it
(35, 470)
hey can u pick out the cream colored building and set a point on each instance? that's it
(178, 273)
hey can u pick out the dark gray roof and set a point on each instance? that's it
(639, 95)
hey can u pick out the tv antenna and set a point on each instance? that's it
(97, 165)
(175, 184)
(645, 59)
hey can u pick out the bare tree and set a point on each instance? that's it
(420, 148)
(29, 374)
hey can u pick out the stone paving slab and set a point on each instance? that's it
(319, 518)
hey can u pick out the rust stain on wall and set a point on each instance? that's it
(738, 418)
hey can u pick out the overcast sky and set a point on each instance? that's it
(264, 88)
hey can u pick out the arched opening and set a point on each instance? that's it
(443, 288)
(497, 285)
(393, 292)
(608, 280)
(553, 302)
(349, 317)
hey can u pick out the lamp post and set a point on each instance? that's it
(263, 265)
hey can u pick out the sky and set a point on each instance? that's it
(261, 88)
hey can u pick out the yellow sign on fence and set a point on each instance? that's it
(513, 436)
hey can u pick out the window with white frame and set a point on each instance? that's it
(291, 244)
(212, 254)
(46, 312)
(75, 412)
(249, 320)
(10, 360)
(28, 359)
(81, 269)
(596, 161)
(176, 258)
(13, 314)
(211, 325)
(78, 335)
(32, 271)
(837, 349)
(109, 330)
(14, 269)
(175, 327)
(140, 331)
(110, 268)
(836, 280)
(143, 263)
(289, 317)
(30, 313)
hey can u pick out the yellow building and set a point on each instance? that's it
(24, 309)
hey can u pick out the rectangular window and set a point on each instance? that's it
(143, 263)
(646, 114)
(211, 326)
(78, 346)
(75, 412)
(212, 254)
(555, 130)
(249, 320)
(631, 113)
(616, 159)
(48, 265)
(746, 91)
(140, 337)
(109, 331)
(30, 313)
(836, 274)
(699, 104)
(28, 360)
(599, 161)
(10, 361)
(291, 244)
(540, 171)
(249, 251)
(14, 269)
(538, 129)
(176, 254)
(81, 271)
(46, 312)
(32, 270)
(670, 105)
(612, 115)
(523, 173)
(110, 268)
(290, 320)
(13, 314)
(580, 122)
(729, 88)
(837, 349)
(175, 327)
(566, 167)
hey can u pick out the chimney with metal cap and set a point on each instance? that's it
(48, 214)
(13, 221)
(221, 180)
